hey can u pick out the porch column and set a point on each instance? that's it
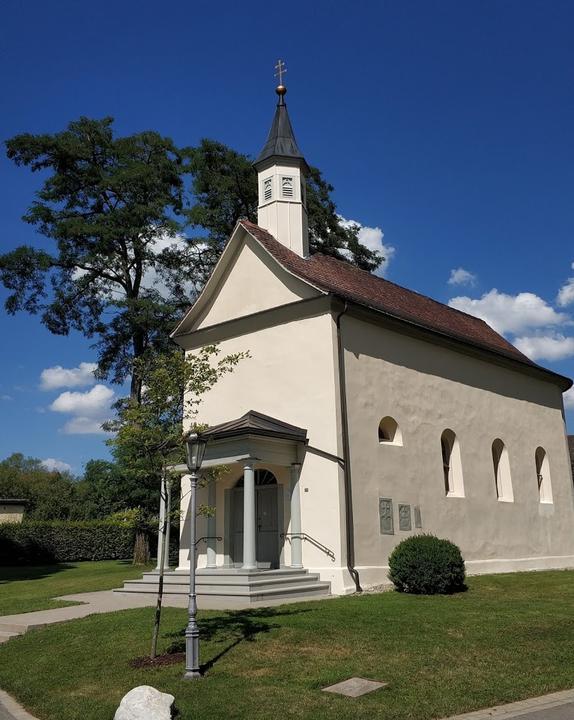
(249, 529)
(162, 503)
(296, 542)
(211, 528)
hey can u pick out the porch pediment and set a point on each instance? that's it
(256, 436)
(253, 436)
(256, 423)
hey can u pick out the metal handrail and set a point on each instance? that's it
(208, 537)
(316, 543)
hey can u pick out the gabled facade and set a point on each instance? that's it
(417, 418)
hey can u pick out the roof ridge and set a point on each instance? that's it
(403, 287)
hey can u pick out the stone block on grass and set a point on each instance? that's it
(145, 703)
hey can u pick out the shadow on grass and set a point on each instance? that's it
(12, 573)
(231, 629)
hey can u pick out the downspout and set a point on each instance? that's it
(350, 532)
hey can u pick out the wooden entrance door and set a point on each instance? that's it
(267, 533)
(267, 521)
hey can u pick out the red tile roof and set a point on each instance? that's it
(349, 282)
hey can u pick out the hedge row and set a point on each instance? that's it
(64, 541)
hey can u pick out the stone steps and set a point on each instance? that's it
(250, 586)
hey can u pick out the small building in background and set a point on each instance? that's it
(12, 510)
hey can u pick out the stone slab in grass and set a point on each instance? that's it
(355, 687)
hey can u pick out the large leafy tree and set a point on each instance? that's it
(111, 206)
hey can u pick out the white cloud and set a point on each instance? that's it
(56, 377)
(6, 397)
(84, 426)
(56, 465)
(460, 276)
(90, 403)
(568, 398)
(89, 409)
(510, 313)
(566, 293)
(372, 238)
(546, 347)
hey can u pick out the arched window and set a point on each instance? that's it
(451, 464)
(262, 477)
(502, 479)
(389, 432)
(543, 476)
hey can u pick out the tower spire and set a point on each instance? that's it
(281, 139)
(282, 170)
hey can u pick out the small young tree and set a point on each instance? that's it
(148, 432)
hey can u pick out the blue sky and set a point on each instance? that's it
(448, 125)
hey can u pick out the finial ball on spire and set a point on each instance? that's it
(280, 90)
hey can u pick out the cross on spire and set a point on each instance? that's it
(281, 70)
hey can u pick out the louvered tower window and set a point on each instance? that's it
(267, 189)
(287, 187)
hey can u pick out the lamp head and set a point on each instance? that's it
(195, 446)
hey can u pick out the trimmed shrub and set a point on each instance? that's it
(36, 542)
(427, 565)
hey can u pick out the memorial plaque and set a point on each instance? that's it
(418, 518)
(405, 517)
(386, 516)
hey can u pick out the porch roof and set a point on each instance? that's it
(256, 423)
(253, 436)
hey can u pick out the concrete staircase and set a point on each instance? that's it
(236, 584)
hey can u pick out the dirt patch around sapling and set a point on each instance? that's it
(158, 661)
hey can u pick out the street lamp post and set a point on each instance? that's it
(195, 449)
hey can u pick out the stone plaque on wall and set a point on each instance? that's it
(386, 516)
(405, 517)
(418, 518)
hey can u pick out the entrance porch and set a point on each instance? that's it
(250, 544)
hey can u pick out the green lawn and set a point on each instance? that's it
(23, 589)
(509, 637)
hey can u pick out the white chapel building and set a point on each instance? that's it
(365, 413)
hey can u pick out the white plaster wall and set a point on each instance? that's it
(290, 375)
(251, 284)
(427, 388)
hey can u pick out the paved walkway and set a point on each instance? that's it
(10, 710)
(556, 706)
(103, 601)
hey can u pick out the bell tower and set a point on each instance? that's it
(282, 172)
